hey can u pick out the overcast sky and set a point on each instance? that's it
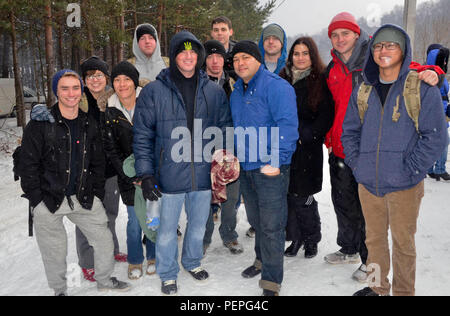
(311, 16)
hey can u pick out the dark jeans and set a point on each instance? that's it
(344, 193)
(265, 200)
(227, 227)
(303, 220)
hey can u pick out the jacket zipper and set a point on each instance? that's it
(83, 160)
(192, 142)
(70, 153)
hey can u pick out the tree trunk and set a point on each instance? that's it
(17, 83)
(84, 9)
(5, 62)
(122, 32)
(49, 56)
(60, 29)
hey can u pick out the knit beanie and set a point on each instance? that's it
(58, 77)
(94, 63)
(127, 69)
(188, 45)
(214, 47)
(273, 30)
(247, 47)
(390, 34)
(145, 29)
(344, 20)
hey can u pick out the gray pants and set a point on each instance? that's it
(51, 237)
(111, 204)
(228, 214)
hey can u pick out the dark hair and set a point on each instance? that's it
(222, 19)
(315, 84)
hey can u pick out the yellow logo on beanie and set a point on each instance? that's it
(187, 46)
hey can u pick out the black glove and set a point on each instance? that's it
(150, 188)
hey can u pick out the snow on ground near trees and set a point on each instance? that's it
(22, 271)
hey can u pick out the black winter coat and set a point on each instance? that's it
(307, 162)
(45, 161)
(117, 133)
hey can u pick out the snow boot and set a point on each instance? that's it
(310, 250)
(234, 247)
(367, 291)
(199, 274)
(293, 249)
(169, 287)
(444, 176)
(251, 272)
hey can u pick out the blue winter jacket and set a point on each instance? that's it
(284, 52)
(269, 102)
(431, 60)
(388, 156)
(160, 110)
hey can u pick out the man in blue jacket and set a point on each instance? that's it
(264, 112)
(172, 114)
(390, 153)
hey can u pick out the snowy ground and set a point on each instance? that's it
(22, 271)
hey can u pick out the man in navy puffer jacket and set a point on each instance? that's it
(180, 103)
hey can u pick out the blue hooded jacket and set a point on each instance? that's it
(284, 53)
(431, 60)
(160, 111)
(268, 102)
(388, 156)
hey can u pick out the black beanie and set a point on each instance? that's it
(145, 29)
(214, 47)
(127, 69)
(93, 63)
(247, 47)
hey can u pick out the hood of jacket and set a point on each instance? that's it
(371, 72)
(148, 68)
(114, 102)
(284, 52)
(178, 39)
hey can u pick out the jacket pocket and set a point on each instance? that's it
(392, 171)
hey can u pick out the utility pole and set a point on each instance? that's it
(409, 20)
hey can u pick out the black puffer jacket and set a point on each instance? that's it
(117, 133)
(45, 161)
(307, 163)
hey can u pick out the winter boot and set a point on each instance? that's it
(432, 175)
(199, 274)
(252, 271)
(293, 249)
(169, 287)
(367, 291)
(234, 247)
(444, 176)
(342, 258)
(88, 274)
(310, 250)
(114, 285)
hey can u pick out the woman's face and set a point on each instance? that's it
(124, 87)
(301, 58)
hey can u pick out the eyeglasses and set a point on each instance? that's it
(389, 46)
(97, 77)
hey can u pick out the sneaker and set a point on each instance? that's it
(121, 257)
(115, 285)
(234, 247)
(199, 274)
(310, 250)
(360, 275)
(169, 287)
(250, 272)
(444, 176)
(151, 267)
(250, 232)
(88, 274)
(269, 293)
(342, 258)
(293, 249)
(367, 291)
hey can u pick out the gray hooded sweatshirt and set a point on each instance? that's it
(149, 68)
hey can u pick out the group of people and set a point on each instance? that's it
(142, 138)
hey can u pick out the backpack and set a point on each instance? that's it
(411, 95)
(17, 168)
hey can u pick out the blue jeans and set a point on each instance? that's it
(439, 166)
(134, 240)
(197, 207)
(265, 200)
